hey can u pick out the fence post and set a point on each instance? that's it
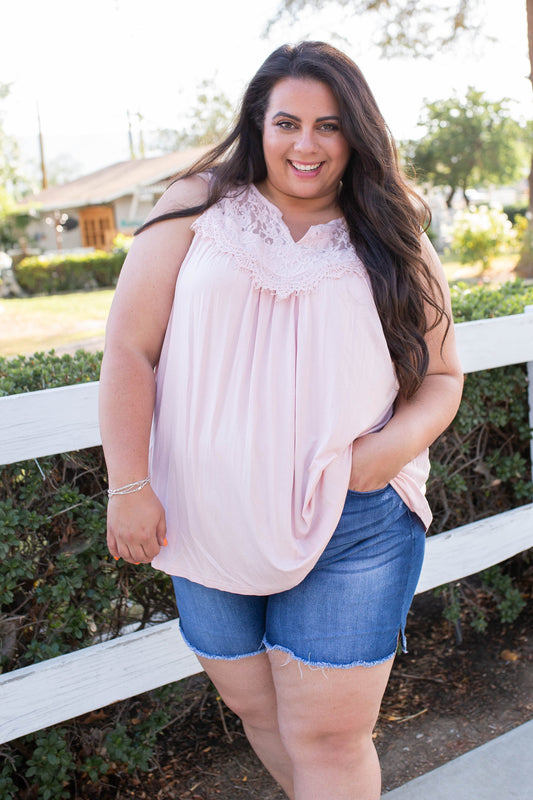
(529, 310)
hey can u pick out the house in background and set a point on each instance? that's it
(93, 209)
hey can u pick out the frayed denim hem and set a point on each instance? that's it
(200, 653)
(325, 664)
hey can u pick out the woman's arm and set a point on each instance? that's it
(417, 422)
(134, 336)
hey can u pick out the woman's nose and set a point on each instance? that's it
(305, 141)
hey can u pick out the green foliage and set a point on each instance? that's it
(481, 465)
(50, 764)
(480, 234)
(469, 141)
(8, 788)
(47, 371)
(10, 177)
(207, 124)
(473, 600)
(515, 211)
(404, 27)
(509, 600)
(13, 219)
(485, 301)
(69, 273)
(60, 590)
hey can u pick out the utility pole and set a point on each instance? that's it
(130, 137)
(44, 180)
(141, 135)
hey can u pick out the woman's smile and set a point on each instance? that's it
(306, 168)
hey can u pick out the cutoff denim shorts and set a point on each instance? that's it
(350, 610)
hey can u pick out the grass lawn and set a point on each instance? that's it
(501, 269)
(30, 324)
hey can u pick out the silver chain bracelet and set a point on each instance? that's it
(129, 488)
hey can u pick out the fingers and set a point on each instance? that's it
(135, 548)
(136, 528)
(161, 533)
(112, 545)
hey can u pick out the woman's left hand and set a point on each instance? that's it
(374, 462)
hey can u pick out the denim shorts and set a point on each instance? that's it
(348, 611)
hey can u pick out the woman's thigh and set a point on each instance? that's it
(340, 705)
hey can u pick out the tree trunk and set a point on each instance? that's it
(450, 197)
(524, 268)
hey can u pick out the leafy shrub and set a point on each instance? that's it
(481, 465)
(70, 272)
(59, 588)
(514, 211)
(481, 233)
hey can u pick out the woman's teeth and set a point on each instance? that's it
(305, 167)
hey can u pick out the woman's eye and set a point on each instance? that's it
(329, 127)
(285, 124)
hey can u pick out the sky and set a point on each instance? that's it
(87, 63)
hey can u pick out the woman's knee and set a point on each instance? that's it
(320, 742)
(255, 711)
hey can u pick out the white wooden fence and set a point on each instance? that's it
(59, 420)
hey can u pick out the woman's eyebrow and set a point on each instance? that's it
(297, 119)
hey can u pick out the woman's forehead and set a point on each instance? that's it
(307, 94)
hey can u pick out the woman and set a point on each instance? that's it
(278, 358)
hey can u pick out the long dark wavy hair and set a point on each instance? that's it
(385, 216)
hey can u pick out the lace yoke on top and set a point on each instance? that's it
(251, 229)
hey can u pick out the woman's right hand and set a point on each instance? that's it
(136, 526)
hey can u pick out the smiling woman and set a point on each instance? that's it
(279, 357)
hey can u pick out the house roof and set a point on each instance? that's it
(117, 180)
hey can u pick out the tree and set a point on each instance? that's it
(13, 219)
(9, 153)
(469, 141)
(405, 27)
(207, 122)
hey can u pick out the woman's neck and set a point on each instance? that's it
(302, 210)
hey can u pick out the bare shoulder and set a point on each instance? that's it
(183, 193)
(167, 242)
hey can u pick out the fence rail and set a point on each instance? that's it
(52, 421)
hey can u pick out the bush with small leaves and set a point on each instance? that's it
(70, 272)
(481, 465)
(50, 765)
(481, 233)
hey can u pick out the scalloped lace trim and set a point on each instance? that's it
(251, 229)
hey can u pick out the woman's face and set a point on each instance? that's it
(305, 151)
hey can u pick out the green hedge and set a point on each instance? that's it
(59, 588)
(70, 272)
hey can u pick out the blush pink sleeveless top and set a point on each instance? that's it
(274, 361)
